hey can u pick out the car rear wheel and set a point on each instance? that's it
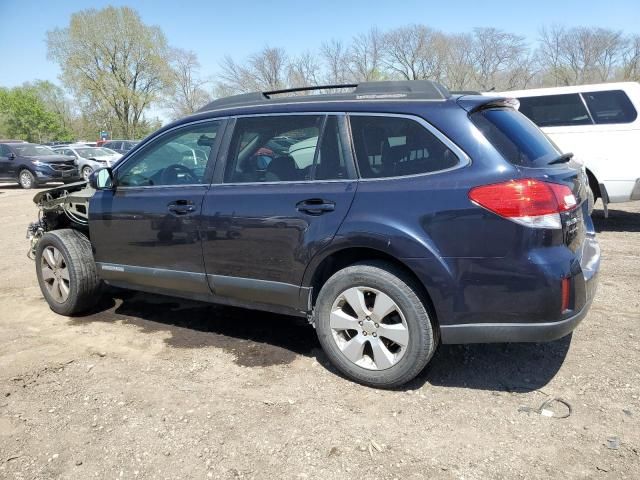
(373, 325)
(66, 271)
(86, 172)
(26, 179)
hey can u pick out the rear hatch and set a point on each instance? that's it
(524, 145)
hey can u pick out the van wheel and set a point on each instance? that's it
(66, 272)
(26, 179)
(373, 325)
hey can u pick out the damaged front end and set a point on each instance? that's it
(66, 206)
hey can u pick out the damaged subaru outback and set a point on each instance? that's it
(394, 216)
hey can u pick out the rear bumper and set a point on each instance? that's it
(534, 331)
(511, 332)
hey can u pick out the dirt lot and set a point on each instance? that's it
(151, 387)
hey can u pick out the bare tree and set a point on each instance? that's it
(304, 70)
(550, 53)
(365, 56)
(581, 54)
(458, 65)
(188, 92)
(264, 70)
(494, 54)
(336, 62)
(630, 68)
(412, 53)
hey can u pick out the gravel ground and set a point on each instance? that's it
(152, 387)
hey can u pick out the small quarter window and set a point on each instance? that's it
(397, 146)
(611, 106)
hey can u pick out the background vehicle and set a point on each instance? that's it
(89, 159)
(422, 217)
(600, 125)
(30, 165)
(120, 146)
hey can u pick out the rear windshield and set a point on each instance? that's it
(516, 138)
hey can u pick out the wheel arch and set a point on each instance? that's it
(337, 259)
(593, 184)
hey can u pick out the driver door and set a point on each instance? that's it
(145, 232)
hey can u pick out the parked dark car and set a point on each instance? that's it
(394, 217)
(31, 165)
(120, 146)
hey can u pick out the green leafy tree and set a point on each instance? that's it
(112, 60)
(26, 117)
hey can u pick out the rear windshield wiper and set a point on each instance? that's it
(564, 158)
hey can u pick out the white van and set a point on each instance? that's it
(600, 125)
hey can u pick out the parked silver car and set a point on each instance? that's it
(89, 159)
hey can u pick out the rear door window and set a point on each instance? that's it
(273, 149)
(397, 146)
(555, 110)
(611, 106)
(516, 138)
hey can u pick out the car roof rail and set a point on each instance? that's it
(415, 89)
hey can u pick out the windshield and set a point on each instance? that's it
(517, 139)
(29, 150)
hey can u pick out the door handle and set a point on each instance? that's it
(315, 206)
(181, 207)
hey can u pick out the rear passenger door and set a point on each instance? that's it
(286, 185)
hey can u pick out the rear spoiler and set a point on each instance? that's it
(474, 103)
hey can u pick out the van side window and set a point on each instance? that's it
(396, 146)
(611, 106)
(555, 110)
(273, 148)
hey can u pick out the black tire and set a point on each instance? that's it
(406, 294)
(84, 286)
(26, 179)
(86, 172)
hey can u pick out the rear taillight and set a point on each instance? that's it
(530, 202)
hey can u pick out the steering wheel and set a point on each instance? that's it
(170, 175)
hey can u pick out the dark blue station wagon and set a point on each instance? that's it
(393, 215)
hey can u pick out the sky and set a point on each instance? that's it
(213, 29)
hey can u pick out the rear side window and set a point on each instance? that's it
(517, 139)
(555, 110)
(397, 146)
(285, 149)
(610, 107)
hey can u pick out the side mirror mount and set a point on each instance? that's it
(12, 156)
(102, 179)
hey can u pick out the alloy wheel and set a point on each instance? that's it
(369, 328)
(25, 179)
(55, 274)
(86, 172)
